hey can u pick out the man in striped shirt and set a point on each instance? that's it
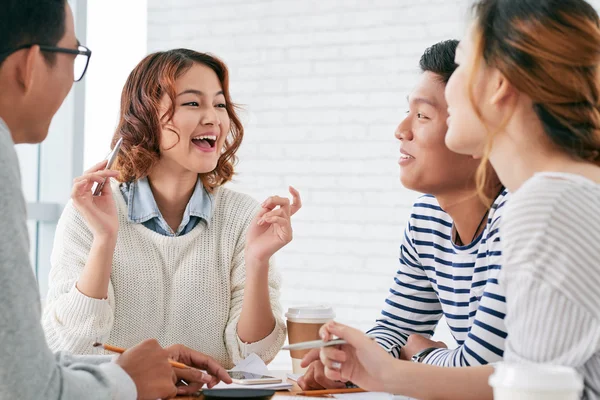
(450, 253)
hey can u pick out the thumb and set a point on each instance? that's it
(311, 356)
(354, 337)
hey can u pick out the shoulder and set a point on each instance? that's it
(232, 204)
(548, 198)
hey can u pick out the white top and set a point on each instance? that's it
(185, 289)
(551, 274)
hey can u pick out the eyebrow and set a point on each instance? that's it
(421, 100)
(198, 92)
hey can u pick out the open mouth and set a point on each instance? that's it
(205, 141)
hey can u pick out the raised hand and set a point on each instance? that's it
(271, 229)
(99, 212)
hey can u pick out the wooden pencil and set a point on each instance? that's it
(330, 391)
(120, 350)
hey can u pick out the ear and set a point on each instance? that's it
(503, 90)
(27, 68)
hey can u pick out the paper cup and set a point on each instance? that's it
(303, 324)
(535, 382)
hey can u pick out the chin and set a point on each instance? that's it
(204, 168)
(37, 136)
(409, 182)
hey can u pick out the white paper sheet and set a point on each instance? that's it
(254, 364)
(294, 377)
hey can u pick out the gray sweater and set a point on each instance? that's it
(28, 369)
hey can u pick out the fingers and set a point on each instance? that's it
(280, 212)
(191, 389)
(311, 356)
(332, 357)
(193, 375)
(217, 371)
(325, 333)
(297, 201)
(275, 201)
(322, 381)
(353, 336)
(99, 176)
(96, 167)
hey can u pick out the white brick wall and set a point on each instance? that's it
(323, 84)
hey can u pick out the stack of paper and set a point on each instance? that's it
(255, 365)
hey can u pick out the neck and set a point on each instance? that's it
(172, 192)
(466, 210)
(517, 157)
(10, 117)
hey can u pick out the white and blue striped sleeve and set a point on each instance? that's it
(412, 305)
(486, 338)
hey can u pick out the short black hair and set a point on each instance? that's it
(439, 59)
(31, 22)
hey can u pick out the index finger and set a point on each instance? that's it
(97, 167)
(311, 356)
(296, 201)
(216, 370)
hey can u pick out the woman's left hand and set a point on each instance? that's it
(271, 229)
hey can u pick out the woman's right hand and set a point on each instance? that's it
(99, 212)
(362, 361)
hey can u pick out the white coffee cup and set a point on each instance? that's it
(535, 382)
(303, 325)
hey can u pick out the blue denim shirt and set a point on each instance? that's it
(142, 208)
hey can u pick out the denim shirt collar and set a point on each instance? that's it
(142, 207)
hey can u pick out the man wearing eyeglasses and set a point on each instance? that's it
(40, 58)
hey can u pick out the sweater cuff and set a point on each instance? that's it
(80, 307)
(122, 384)
(262, 346)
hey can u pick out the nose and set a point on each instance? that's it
(404, 131)
(209, 116)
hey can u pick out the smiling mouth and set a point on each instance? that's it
(205, 141)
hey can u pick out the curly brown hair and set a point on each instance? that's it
(140, 116)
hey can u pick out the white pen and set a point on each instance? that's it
(316, 344)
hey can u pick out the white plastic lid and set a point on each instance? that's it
(311, 313)
(539, 377)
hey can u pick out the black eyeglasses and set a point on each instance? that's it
(82, 57)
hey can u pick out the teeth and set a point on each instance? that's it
(406, 157)
(210, 137)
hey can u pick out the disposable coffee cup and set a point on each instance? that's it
(303, 324)
(535, 382)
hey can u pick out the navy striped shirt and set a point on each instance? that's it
(437, 277)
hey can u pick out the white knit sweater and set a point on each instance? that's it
(186, 289)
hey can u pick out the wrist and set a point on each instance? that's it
(105, 241)
(421, 355)
(254, 262)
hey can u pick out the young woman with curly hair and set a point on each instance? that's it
(166, 251)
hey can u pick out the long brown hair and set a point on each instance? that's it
(549, 50)
(140, 117)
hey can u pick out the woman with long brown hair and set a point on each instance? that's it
(166, 251)
(526, 97)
